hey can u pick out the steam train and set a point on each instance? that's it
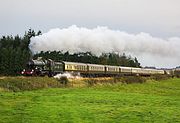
(40, 67)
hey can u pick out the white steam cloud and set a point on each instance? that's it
(103, 40)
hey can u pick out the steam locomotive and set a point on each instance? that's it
(40, 67)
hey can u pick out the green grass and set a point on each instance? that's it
(151, 102)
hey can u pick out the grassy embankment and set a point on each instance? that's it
(153, 101)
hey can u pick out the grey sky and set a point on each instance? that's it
(160, 18)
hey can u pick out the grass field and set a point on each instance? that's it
(151, 102)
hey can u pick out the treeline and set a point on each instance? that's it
(15, 53)
(88, 57)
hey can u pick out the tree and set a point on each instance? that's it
(15, 52)
(88, 57)
(137, 64)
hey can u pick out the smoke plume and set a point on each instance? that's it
(67, 75)
(103, 40)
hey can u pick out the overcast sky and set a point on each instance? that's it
(159, 18)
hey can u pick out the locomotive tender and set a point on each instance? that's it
(49, 67)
